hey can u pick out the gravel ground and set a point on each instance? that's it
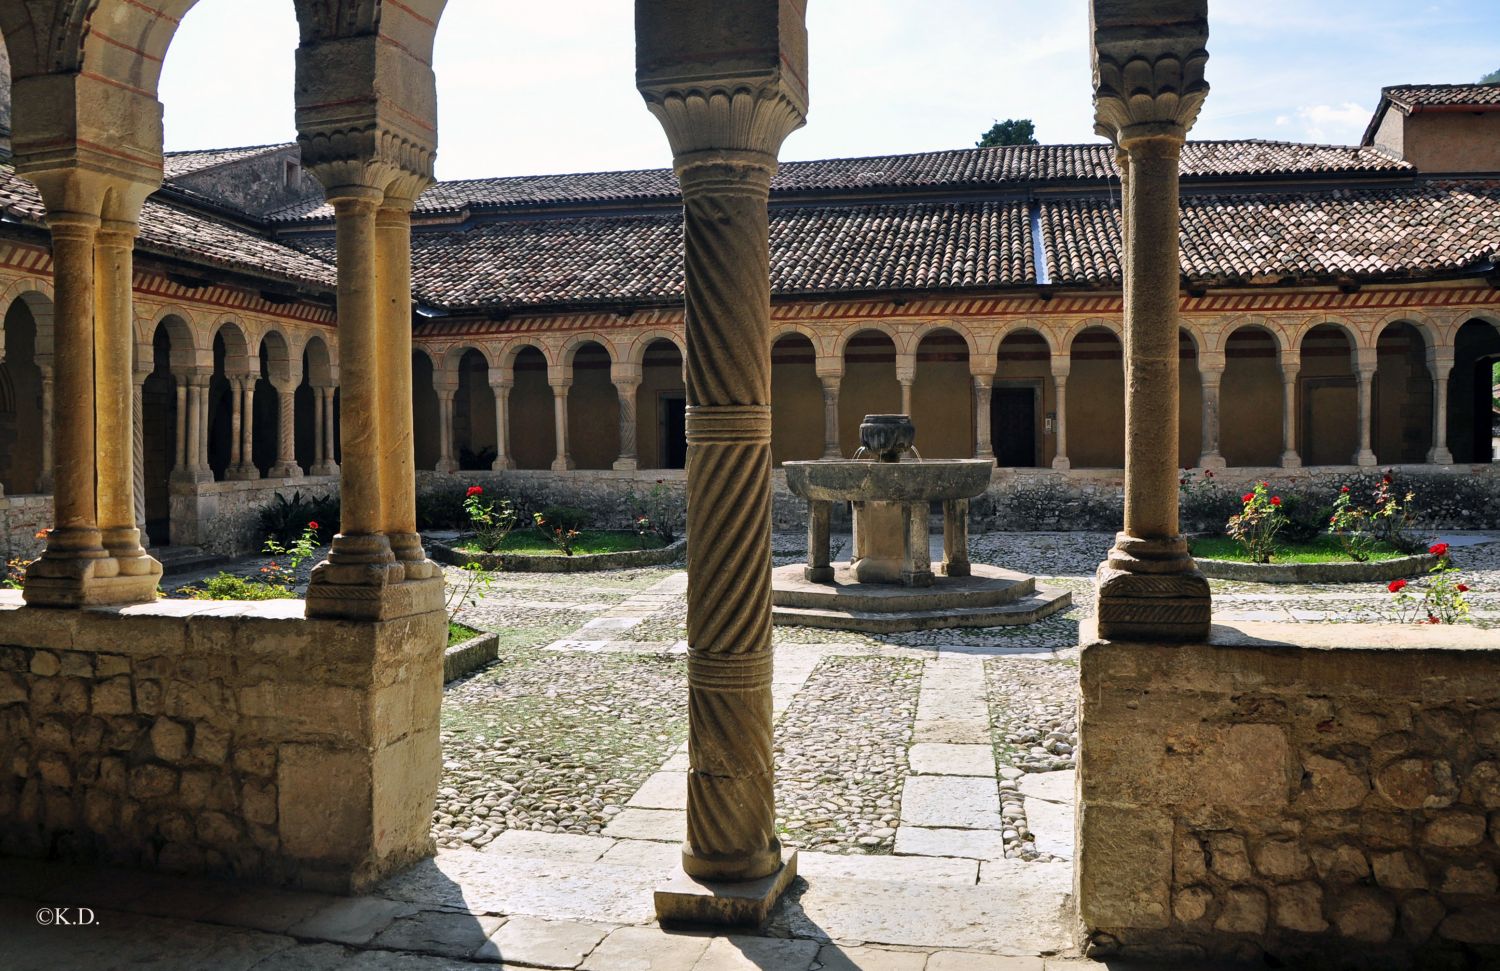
(1034, 724)
(841, 754)
(554, 741)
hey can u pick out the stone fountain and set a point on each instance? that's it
(889, 584)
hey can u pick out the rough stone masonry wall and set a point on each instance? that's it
(22, 517)
(233, 739)
(224, 517)
(1328, 806)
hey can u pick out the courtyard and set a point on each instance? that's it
(926, 779)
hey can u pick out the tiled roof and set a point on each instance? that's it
(574, 260)
(179, 164)
(173, 232)
(1440, 227)
(1411, 96)
(1014, 166)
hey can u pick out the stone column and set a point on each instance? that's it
(564, 461)
(286, 466)
(1060, 368)
(248, 469)
(330, 431)
(1211, 374)
(138, 449)
(906, 376)
(1290, 368)
(1364, 363)
(180, 442)
(627, 382)
(831, 382)
(192, 392)
(45, 480)
(446, 462)
(727, 85)
(983, 387)
(500, 387)
(324, 463)
(1440, 363)
(1147, 94)
(93, 553)
(236, 425)
(200, 392)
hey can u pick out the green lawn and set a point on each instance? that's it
(533, 543)
(458, 633)
(1324, 549)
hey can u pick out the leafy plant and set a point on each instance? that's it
(442, 509)
(1011, 131)
(1442, 600)
(1350, 525)
(656, 513)
(568, 518)
(227, 586)
(284, 520)
(297, 553)
(1306, 518)
(476, 583)
(492, 519)
(1257, 523)
(562, 536)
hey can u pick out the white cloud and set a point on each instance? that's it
(1340, 124)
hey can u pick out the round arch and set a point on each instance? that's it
(942, 394)
(797, 406)
(1251, 395)
(646, 339)
(1327, 393)
(1096, 389)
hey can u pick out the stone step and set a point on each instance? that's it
(1045, 602)
(988, 587)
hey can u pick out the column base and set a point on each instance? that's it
(1061, 463)
(742, 903)
(506, 464)
(1151, 590)
(327, 468)
(96, 581)
(1365, 458)
(1213, 460)
(625, 465)
(817, 574)
(285, 471)
(445, 465)
(245, 474)
(1440, 456)
(832, 456)
(957, 568)
(1291, 460)
(363, 580)
(562, 465)
(194, 476)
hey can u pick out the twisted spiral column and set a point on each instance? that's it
(731, 816)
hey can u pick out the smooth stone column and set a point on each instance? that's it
(1289, 457)
(200, 391)
(446, 462)
(1060, 369)
(323, 452)
(179, 444)
(983, 388)
(1365, 366)
(236, 426)
(956, 538)
(501, 390)
(46, 479)
(286, 466)
(831, 383)
(563, 461)
(330, 435)
(1212, 375)
(192, 395)
(1149, 587)
(1441, 366)
(819, 568)
(906, 380)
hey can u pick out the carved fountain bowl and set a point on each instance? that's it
(848, 480)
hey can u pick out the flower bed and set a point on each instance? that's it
(1345, 571)
(456, 555)
(470, 655)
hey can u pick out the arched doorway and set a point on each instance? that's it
(1471, 393)
(1021, 398)
(533, 435)
(22, 420)
(427, 417)
(1190, 401)
(313, 409)
(796, 400)
(942, 397)
(1327, 398)
(1251, 399)
(1401, 405)
(869, 386)
(593, 409)
(231, 365)
(1096, 401)
(275, 370)
(474, 413)
(661, 408)
(163, 425)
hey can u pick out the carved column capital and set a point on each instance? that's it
(1148, 79)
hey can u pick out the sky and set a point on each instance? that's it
(527, 88)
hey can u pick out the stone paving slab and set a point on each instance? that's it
(265, 909)
(1052, 826)
(353, 920)
(814, 867)
(757, 954)
(950, 802)
(951, 731)
(977, 844)
(435, 932)
(648, 824)
(664, 790)
(937, 758)
(969, 961)
(544, 943)
(571, 847)
(647, 949)
(834, 957)
(645, 853)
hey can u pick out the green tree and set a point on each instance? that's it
(1011, 131)
(1491, 78)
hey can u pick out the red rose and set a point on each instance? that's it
(1275, 500)
(1182, 482)
(1438, 549)
(475, 491)
(1385, 479)
(1248, 496)
(1344, 489)
(1463, 588)
(1209, 473)
(312, 524)
(1433, 620)
(1396, 586)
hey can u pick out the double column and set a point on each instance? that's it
(832, 378)
(1211, 375)
(984, 387)
(446, 394)
(376, 568)
(726, 84)
(561, 380)
(323, 410)
(1149, 587)
(627, 381)
(94, 553)
(1062, 364)
(1365, 366)
(1440, 363)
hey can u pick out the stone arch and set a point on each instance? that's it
(274, 372)
(232, 362)
(456, 353)
(1217, 338)
(796, 397)
(661, 403)
(1327, 393)
(1251, 395)
(474, 445)
(510, 351)
(921, 333)
(1431, 331)
(1072, 332)
(593, 405)
(645, 339)
(36, 297)
(427, 416)
(25, 426)
(870, 384)
(1401, 401)
(533, 428)
(309, 404)
(1022, 395)
(783, 328)
(1096, 389)
(1471, 424)
(1042, 329)
(942, 394)
(1299, 331)
(575, 342)
(897, 338)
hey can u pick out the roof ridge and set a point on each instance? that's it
(227, 148)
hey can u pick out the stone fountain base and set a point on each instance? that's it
(989, 597)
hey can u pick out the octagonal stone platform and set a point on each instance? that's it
(990, 597)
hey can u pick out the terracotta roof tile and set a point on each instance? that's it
(1411, 96)
(179, 164)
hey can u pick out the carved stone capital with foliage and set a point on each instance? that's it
(1148, 61)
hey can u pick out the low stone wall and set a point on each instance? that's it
(1312, 792)
(225, 738)
(470, 656)
(553, 563)
(21, 518)
(224, 517)
(1370, 571)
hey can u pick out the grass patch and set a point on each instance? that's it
(1324, 549)
(533, 543)
(458, 633)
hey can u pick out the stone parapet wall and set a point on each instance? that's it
(224, 517)
(231, 739)
(1313, 793)
(22, 517)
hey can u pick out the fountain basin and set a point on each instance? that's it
(857, 481)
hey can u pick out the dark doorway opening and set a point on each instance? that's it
(1013, 426)
(1484, 412)
(671, 410)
